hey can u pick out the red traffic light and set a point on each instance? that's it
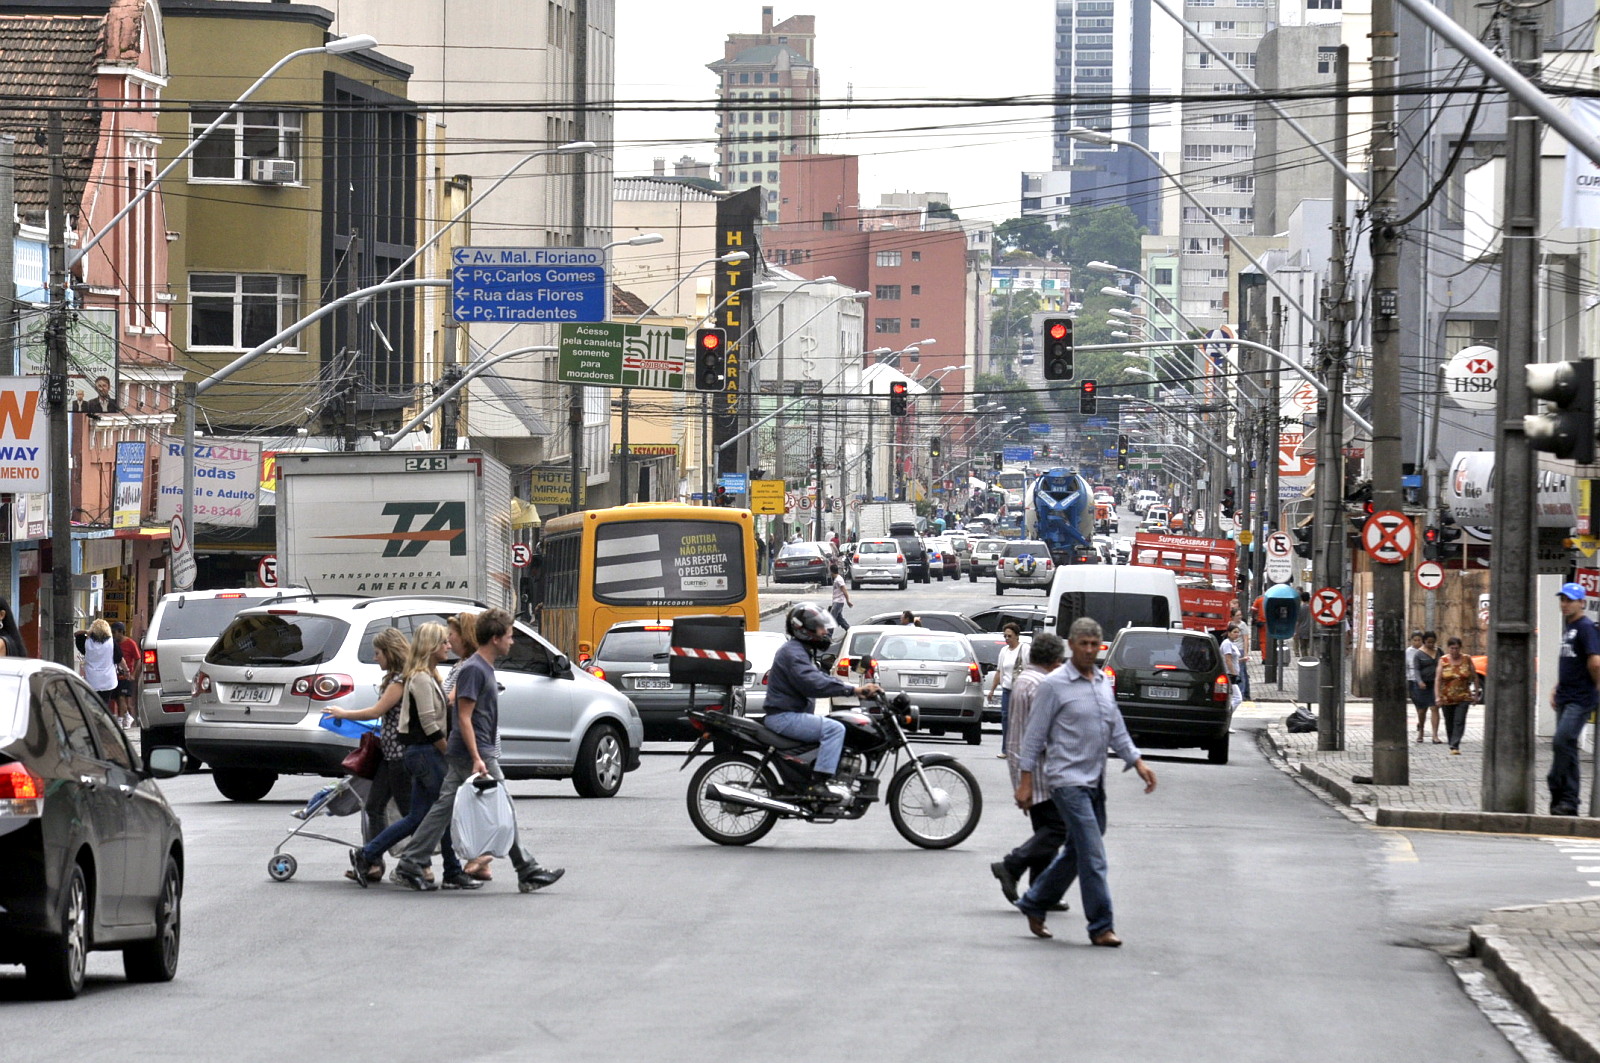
(1058, 330)
(710, 341)
(1430, 535)
(897, 388)
(1088, 387)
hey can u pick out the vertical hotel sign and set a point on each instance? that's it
(736, 231)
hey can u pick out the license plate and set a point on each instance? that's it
(254, 694)
(652, 684)
(1164, 692)
(922, 681)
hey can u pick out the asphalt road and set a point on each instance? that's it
(1261, 924)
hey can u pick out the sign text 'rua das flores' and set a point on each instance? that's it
(521, 285)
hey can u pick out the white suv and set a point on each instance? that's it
(1024, 563)
(261, 691)
(877, 561)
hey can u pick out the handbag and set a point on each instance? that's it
(364, 760)
(482, 821)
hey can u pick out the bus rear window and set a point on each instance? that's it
(669, 562)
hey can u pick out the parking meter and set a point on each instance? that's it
(1281, 607)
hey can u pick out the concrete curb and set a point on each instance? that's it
(774, 610)
(1536, 993)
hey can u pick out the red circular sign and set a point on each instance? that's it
(521, 554)
(1328, 606)
(1429, 575)
(267, 571)
(1388, 536)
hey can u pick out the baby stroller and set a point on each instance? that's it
(347, 797)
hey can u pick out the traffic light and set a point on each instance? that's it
(1449, 533)
(1122, 453)
(1086, 397)
(1567, 429)
(897, 398)
(1058, 348)
(720, 497)
(1302, 540)
(1430, 543)
(1229, 501)
(998, 459)
(934, 447)
(710, 359)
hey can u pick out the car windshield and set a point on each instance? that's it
(879, 548)
(920, 648)
(1157, 649)
(989, 546)
(800, 550)
(194, 618)
(1018, 549)
(1113, 611)
(635, 645)
(861, 642)
(278, 639)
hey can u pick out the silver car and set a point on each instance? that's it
(985, 552)
(877, 561)
(1024, 563)
(939, 672)
(260, 692)
(760, 647)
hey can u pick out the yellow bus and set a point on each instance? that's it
(645, 561)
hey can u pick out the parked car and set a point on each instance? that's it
(759, 649)
(878, 561)
(1172, 689)
(633, 658)
(934, 620)
(1026, 617)
(182, 628)
(939, 672)
(985, 552)
(945, 550)
(91, 854)
(802, 563)
(987, 646)
(261, 689)
(1024, 563)
(916, 557)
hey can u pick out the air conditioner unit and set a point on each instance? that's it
(274, 171)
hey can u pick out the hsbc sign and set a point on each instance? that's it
(1472, 378)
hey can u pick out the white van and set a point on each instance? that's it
(1118, 596)
(1144, 500)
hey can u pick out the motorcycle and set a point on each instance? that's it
(756, 777)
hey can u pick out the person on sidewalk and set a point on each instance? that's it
(1455, 689)
(1422, 667)
(1073, 721)
(1576, 695)
(1232, 657)
(1045, 654)
(1006, 670)
(841, 598)
(473, 749)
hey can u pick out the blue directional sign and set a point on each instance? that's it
(734, 482)
(521, 285)
(1017, 455)
(1039, 429)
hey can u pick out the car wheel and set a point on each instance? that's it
(974, 735)
(972, 576)
(855, 584)
(55, 969)
(902, 584)
(1217, 751)
(999, 588)
(156, 960)
(243, 784)
(598, 772)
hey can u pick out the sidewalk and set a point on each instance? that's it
(1546, 956)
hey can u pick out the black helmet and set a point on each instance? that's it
(810, 623)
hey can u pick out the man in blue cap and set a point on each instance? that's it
(1577, 694)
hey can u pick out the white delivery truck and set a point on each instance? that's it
(382, 523)
(874, 518)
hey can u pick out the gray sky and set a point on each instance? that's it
(868, 49)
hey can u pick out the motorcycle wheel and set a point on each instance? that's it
(919, 821)
(723, 823)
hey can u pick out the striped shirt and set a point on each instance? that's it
(1022, 691)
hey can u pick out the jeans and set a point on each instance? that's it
(1005, 714)
(1455, 722)
(1049, 835)
(436, 824)
(806, 727)
(392, 783)
(1083, 809)
(1565, 778)
(1244, 678)
(426, 766)
(837, 612)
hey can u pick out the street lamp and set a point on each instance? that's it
(731, 256)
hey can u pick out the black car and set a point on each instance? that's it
(1026, 617)
(91, 855)
(916, 558)
(934, 621)
(1172, 689)
(802, 563)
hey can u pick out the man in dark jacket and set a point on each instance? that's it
(795, 681)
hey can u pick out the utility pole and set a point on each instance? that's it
(1329, 544)
(61, 566)
(1271, 418)
(579, 222)
(1508, 751)
(348, 386)
(450, 412)
(1390, 718)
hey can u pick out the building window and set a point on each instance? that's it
(744, 117)
(772, 156)
(744, 79)
(240, 310)
(1162, 277)
(758, 78)
(759, 117)
(744, 156)
(1324, 5)
(773, 117)
(772, 175)
(886, 291)
(916, 289)
(889, 258)
(916, 256)
(886, 326)
(916, 323)
(244, 135)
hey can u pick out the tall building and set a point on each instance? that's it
(767, 84)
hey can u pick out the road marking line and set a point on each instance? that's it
(1399, 850)
(1587, 870)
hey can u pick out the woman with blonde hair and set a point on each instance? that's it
(99, 651)
(391, 648)
(421, 731)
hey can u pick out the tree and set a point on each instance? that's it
(1011, 318)
(1029, 234)
(1104, 234)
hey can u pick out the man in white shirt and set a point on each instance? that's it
(841, 598)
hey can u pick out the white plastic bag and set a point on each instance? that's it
(482, 821)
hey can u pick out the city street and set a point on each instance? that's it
(1261, 924)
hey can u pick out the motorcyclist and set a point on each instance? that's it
(795, 681)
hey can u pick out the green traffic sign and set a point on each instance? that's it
(622, 355)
